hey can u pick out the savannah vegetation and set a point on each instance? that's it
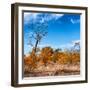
(48, 61)
(52, 62)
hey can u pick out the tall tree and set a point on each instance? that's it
(39, 30)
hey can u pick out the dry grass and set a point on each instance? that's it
(49, 63)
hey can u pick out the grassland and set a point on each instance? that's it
(49, 62)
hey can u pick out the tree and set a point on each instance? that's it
(58, 50)
(39, 30)
(76, 47)
(46, 54)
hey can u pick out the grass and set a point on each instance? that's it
(51, 63)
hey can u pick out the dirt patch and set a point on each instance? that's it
(54, 70)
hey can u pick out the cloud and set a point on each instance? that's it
(75, 41)
(44, 45)
(57, 16)
(53, 16)
(29, 17)
(63, 46)
(70, 45)
(74, 21)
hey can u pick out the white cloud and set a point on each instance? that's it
(29, 16)
(44, 45)
(70, 45)
(57, 16)
(63, 46)
(74, 21)
(75, 41)
(53, 16)
(33, 16)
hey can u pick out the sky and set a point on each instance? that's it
(63, 30)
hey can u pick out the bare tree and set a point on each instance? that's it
(39, 30)
(76, 47)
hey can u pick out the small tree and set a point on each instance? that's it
(46, 54)
(58, 50)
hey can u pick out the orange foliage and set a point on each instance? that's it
(47, 55)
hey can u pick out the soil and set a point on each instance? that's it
(54, 70)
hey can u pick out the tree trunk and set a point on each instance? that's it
(36, 46)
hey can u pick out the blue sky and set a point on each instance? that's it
(63, 29)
